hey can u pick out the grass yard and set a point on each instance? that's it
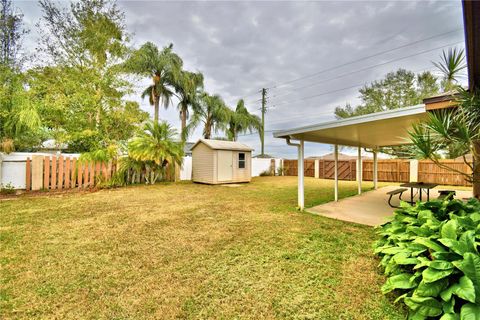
(188, 251)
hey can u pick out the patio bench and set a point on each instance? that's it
(399, 191)
(446, 194)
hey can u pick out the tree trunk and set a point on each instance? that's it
(183, 116)
(157, 108)
(207, 130)
(476, 169)
(97, 117)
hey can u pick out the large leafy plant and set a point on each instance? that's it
(429, 253)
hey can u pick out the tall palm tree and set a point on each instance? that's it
(188, 88)
(242, 121)
(451, 63)
(156, 146)
(212, 112)
(163, 66)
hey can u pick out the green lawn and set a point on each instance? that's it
(188, 251)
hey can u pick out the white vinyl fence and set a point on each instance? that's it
(13, 167)
(186, 171)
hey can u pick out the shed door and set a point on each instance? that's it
(225, 165)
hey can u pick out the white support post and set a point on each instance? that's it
(375, 170)
(359, 170)
(335, 153)
(301, 195)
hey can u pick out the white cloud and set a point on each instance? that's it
(243, 46)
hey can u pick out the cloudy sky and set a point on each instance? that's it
(312, 56)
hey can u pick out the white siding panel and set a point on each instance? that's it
(203, 165)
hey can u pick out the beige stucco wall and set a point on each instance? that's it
(203, 164)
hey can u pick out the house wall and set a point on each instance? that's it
(204, 164)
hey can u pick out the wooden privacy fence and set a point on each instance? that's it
(432, 173)
(346, 169)
(389, 170)
(65, 173)
(291, 168)
(57, 173)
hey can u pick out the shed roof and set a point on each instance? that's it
(388, 128)
(223, 145)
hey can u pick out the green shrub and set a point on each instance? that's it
(429, 253)
(266, 173)
(7, 189)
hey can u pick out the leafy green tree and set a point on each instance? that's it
(188, 88)
(451, 64)
(398, 89)
(82, 92)
(456, 129)
(157, 146)
(20, 123)
(242, 121)
(164, 67)
(212, 113)
(11, 33)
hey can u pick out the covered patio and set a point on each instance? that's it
(369, 208)
(369, 132)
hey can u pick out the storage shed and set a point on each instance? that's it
(219, 161)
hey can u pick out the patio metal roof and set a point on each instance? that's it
(388, 128)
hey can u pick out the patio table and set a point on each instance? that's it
(420, 186)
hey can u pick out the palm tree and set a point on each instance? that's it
(212, 112)
(242, 121)
(452, 62)
(188, 87)
(157, 146)
(163, 66)
(456, 129)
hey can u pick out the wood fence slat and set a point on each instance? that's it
(98, 171)
(86, 175)
(104, 171)
(28, 173)
(68, 162)
(92, 174)
(74, 172)
(109, 170)
(80, 174)
(60, 172)
(53, 174)
(46, 173)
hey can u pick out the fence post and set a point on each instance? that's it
(37, 172)
(28, 173)
(317, 169)
(413, 170)
(1, 160)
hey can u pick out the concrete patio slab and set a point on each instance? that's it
(371, 208)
